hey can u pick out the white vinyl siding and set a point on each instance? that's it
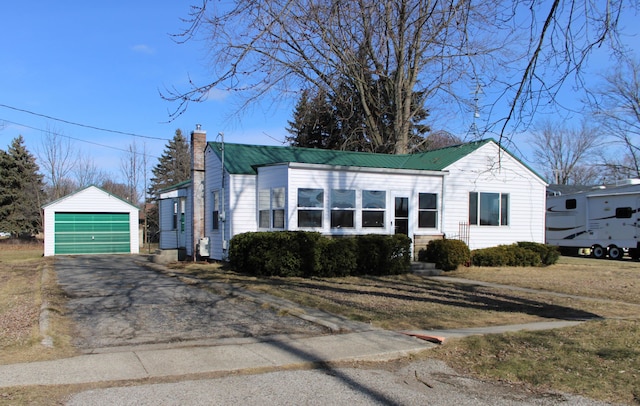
(353, 183)
(490, 170)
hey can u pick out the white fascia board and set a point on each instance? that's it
(382, 171)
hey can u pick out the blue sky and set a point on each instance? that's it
(103, 64)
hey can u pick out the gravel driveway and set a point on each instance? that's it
(116, 301)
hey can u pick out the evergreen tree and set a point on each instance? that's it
(174, 166)
(314, 124)
(338, 120)
(21, 190)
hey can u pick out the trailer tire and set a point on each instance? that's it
(615, 253)
(598, 252)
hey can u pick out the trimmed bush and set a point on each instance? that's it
(383, 254)
(337, 257)
(549, 254)
(446, 254)
(285, 253)
(307, 254)
(505, 255)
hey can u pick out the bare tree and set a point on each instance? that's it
(567, 156)
(422, 49)
(57, 160)
(133, 168)
(617, 107)
(86, 172)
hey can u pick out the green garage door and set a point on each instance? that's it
(92, 233)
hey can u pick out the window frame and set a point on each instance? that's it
(312, 210)
(490, 215)
(215, 212)
(343, 212)
(426, 209)
(271, 208)
(368, 207)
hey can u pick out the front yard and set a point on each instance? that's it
(598, 359)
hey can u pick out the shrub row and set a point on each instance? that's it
(519, 254)
(307, 254)
(445, 254)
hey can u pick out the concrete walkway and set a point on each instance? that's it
(376, 345)
(246, 355)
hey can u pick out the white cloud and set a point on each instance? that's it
(143, 49)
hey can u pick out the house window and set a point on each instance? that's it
(264, 209)
(570, 204)
(427, 210)
(215, 218)
(175, 215)
(310, 207)
(343, 206)
(271, 208)
(178, 213)
(183, 206)
(489, 209)
(374, 204)
(277, 207)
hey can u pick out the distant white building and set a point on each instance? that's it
(477, 192)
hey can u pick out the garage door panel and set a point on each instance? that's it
(92, 233)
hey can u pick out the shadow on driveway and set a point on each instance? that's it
(115, 301)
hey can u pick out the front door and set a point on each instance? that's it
(401, 224)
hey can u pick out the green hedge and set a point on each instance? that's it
(519, 254)
(446, 254)
(549, 254)
(300, 253)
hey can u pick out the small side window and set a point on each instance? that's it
(570, 204)
(624, 212)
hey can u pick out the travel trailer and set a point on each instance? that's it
(604, 221)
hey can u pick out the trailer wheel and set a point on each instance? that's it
(598, 252)
(615, 253)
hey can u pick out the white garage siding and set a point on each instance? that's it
(92, 208)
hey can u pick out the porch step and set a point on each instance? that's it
(425, 268)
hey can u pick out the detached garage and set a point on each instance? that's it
(90, 221)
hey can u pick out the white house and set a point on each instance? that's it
(477, 192)
(90, 221)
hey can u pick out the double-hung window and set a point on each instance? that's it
(374, 205)
(271, 208)
(277, 207)
(343, 207)
(427, 210)
(488, 209)
(215, 215)
(179, 207)
(310, 207)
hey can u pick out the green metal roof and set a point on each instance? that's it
(180, 185)
(244, 159)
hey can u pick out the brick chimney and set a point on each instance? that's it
(198, 144)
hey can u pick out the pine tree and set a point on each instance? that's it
(315, 124)
(21, 190)
(174, 166)
(337, 120)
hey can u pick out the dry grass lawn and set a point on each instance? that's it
(21, 295)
